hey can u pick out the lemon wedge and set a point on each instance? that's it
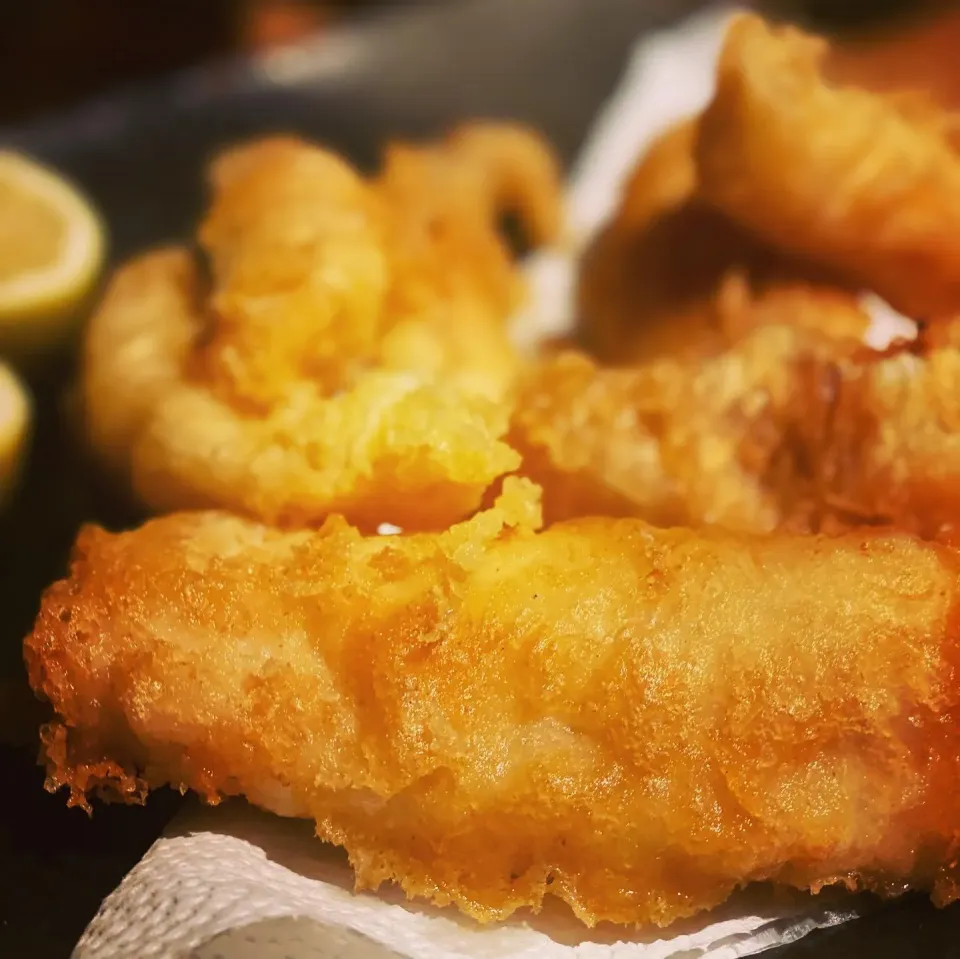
(51, 252)
(15, 415)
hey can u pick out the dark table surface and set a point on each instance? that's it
(139, 154)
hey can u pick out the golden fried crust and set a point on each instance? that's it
(443, 203)
(313, 266)
(866, 184)
(680, 441)
(671, 276)
(396, 448)
(785, 427)
(299, 274)
(135, 349)
(348, 351)
(636, 721)
(586, 438)
(883, 431)
(519, 173)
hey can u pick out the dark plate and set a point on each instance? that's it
(140, 155)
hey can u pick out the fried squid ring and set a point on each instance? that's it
(349, 350)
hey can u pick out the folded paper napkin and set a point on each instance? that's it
(234, 883)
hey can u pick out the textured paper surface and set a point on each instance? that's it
(233, 883)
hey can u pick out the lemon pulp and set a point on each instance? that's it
(51, 252)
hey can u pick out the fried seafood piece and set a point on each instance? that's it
(299, 274)
(395, 448)
(677, 441)
(882, 435)
(786, 427)
(480, 171)
(671, 275)
(454, 283)
(637, 721)
(347, 349)
(317, 272)
(860, 182)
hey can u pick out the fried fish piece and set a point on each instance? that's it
(349, 350)
(395, 448)
(671, 275)
(786, 427)
(864, 183)
(636, 721)
(677, 441)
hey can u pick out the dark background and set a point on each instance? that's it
(57, 52)
(173, 80)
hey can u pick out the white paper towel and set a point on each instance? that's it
(234, 883)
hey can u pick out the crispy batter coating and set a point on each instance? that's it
(135, 349)
(635, 720)
(313, 266)
(349, 350)
(865, 183)
(786, 427)
(299, 274)
(394, 449)
(882, 431)
(670, 275)
(682, 441)
(454, 283)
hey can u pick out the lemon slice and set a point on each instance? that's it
(15, 409)
(51, 253)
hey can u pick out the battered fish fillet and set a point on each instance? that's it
(348, 350)
(395, 448)
(637, 721)
(670, 275)
(863, 183)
